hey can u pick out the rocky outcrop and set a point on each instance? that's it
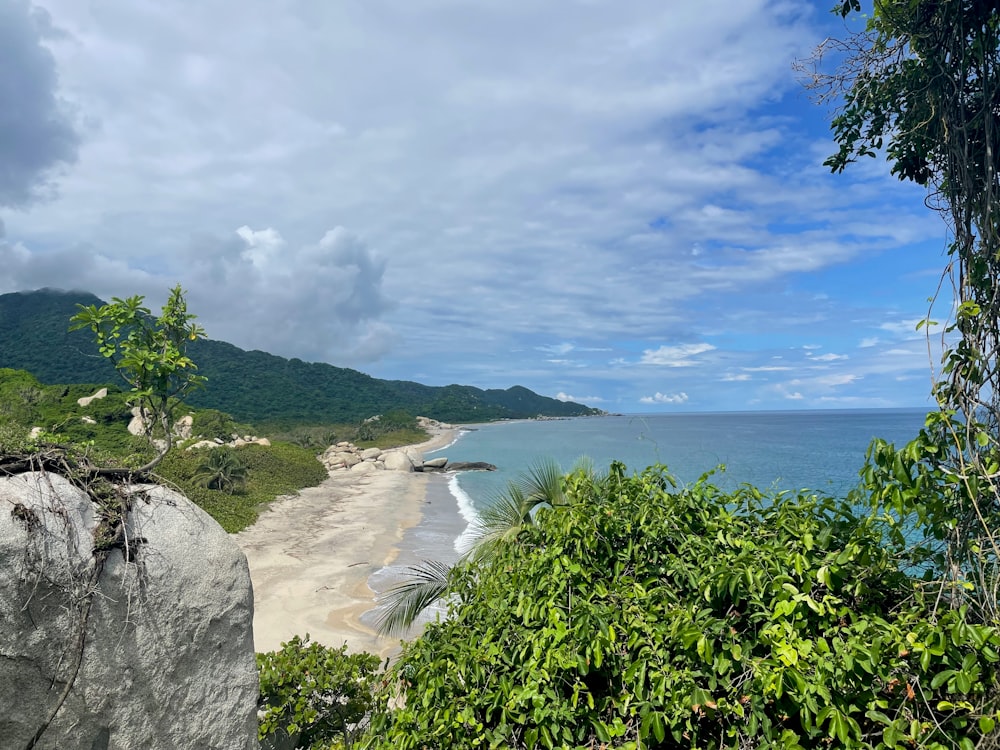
(183, 426)
(348, 456)
(85, 401)
(146, 631)
(236, 442)
(397, 461)
(470, 466)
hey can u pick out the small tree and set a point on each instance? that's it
(150, 354)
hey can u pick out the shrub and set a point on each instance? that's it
(314, 693)
(643, 615)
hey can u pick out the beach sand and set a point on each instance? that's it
(311, 554)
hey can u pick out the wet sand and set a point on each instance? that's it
(311, 555)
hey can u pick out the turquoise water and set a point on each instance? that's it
(815, 450)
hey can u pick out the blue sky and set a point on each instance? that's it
(616, 202)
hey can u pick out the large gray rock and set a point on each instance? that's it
(167, 650)
(397, 461)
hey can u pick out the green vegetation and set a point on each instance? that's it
(273, 393)
(431, 581)
(642, 615)
(922, 83)
(221, 470)
(269, 471)
(318, 696)
(150, 355)
(100, 427)
(279, 469)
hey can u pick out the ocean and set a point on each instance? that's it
(820, 451)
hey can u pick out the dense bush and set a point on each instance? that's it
(313, 694)
(278, 469)
(212, 423)
(642, 615)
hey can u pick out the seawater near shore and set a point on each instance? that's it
(433, 538)
(443, 534)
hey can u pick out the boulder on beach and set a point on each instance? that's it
(436, 463)
(397, 461)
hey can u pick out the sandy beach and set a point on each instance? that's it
(311, 554)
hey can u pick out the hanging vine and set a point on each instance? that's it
(921, 86)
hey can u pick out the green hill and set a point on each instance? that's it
(253, 386)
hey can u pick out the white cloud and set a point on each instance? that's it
(563, 348)
(907, 329)
(321, 301)
(675, 356)
(732, 377)
(869, 342)
(796, 396)
(836, 380)
(830, 357)
(768, 368)
(663, 398)
(520, 184)
(579, 399)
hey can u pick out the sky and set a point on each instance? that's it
(616, 202)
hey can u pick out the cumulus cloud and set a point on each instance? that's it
(317, 301)
(539, 186)
(829, 357)
(36, 132)
(664, 398)
(675, 356)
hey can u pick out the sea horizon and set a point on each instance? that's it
(818, 450)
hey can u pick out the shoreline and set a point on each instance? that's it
(311, 554)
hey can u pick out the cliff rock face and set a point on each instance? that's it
(160, 639)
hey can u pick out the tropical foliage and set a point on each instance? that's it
(278, 469)
(642, 615)
(149, 354)
(430, 581)
(273, 470)
(221, 469)
(921, 84)
(314, 696)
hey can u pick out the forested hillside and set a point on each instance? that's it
(252, 386)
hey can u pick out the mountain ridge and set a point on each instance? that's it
(251, 385)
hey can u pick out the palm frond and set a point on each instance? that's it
(424, 584)
(499, 521)
(543, 483)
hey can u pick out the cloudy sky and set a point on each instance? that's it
(619, 202)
